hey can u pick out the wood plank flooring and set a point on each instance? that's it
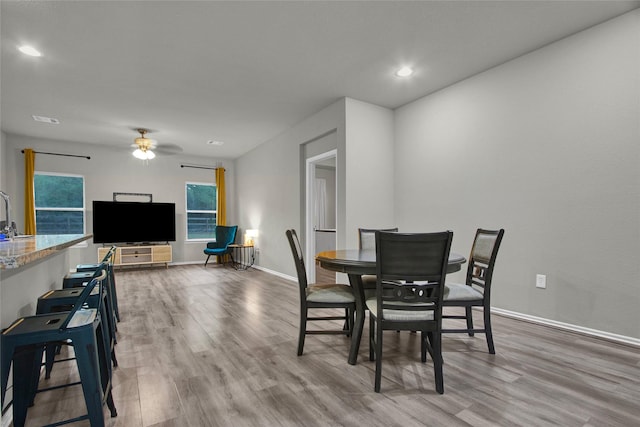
(217, 347)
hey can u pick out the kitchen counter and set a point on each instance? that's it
(24, 250)
(29, 267)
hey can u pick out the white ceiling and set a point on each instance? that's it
(243, 72)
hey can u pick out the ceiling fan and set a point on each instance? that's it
(144, 144)
(145, 147)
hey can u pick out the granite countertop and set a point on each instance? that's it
(23, 250)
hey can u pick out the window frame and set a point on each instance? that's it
(83, 209)
(188, 211)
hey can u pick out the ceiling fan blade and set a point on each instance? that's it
(169, 149)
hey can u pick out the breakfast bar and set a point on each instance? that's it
(29, 267)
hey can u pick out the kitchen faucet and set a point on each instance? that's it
(10, 227)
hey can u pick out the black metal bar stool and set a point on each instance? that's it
(63, 300)
(24, 339)
(79, 279)
(108, 258)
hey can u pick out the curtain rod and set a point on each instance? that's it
(199, 167)
(58, 154)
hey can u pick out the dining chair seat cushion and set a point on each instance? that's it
(461, 292)
(399, 315)
(333, 293)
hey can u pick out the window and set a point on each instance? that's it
(59, 203)
(201, 211)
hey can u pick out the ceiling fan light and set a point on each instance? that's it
(144, 144)
(139, 154)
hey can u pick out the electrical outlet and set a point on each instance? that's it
(541, 281)
(257, 250)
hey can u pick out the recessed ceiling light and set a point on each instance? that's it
(214, 142)
(46, 120)
(29, 50)
(404, 72)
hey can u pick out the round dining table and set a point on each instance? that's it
(356, 263)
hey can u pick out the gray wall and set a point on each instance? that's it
(270, 179)
(115, 170)
(270, 186)
(369, 153)
(546, 146)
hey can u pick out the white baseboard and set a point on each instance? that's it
(187, 263)
(275, 273)
(622, 339)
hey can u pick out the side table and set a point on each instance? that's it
(242, 256)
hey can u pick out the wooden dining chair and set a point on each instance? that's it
(410, 275)
(367, 240)
(320, 296)
(476, 291)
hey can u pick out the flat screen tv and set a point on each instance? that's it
(133, 222)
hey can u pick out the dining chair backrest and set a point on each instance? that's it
(411, 269)
(483, 258)
(296, 251)
(367, 236)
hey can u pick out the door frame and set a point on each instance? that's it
(310, 254)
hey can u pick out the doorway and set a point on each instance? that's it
(321, 213)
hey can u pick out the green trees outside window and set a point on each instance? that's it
(59, 201)
(201, 211)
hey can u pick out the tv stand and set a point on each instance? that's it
(139, 255)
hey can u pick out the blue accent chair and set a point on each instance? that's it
(225, 236)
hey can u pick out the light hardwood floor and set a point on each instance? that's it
(217, 347)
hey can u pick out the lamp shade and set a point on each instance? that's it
(249, 236)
